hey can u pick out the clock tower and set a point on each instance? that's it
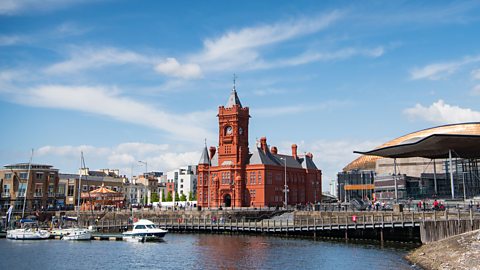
(233, 132)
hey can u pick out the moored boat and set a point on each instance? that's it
(143, 231)
(28, 231)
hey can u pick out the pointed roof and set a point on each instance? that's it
(233, 99)
(204, 159)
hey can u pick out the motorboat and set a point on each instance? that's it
(144, 231)
(29, 231)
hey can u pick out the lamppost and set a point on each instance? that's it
(232, 184)
(464, 190)
(146, 166)
(286, 186)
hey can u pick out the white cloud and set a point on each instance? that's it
(240, 49)
(10, 40)
(441, 113)
(70, 29)
(171, 67)
(124, 156)
(475, 74)
(309, 57)
(109, 102)
(438, 71)
(88, 58)
(13, 7)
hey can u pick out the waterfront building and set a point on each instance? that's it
(42, 186)
(231, 175)
(420, 177)
(91, 180)
(135, 194)
(182, 181)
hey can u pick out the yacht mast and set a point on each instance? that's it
(26, 188)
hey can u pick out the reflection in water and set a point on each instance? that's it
(200, 251)
(230, 251)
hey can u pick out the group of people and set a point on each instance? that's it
(422, 205)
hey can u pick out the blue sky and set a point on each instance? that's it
(125, 80)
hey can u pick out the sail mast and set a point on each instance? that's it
(26, 188)
(79, 185)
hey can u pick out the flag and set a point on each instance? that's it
(9, 212)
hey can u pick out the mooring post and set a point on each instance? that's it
(381, 236)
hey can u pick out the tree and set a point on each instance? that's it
(176, 197)
(169, 197)
(183, 198)
(190, 196)
(163, 196)
(154, 197)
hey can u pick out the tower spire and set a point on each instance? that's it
(234, 79)
(233, 98)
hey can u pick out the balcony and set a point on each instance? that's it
(38, 195)
(51, 194)
(6, 195)
(20, 194)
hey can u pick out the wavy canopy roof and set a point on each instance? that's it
(367, 162)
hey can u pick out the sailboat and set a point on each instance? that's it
(29, 229)
(77, 233)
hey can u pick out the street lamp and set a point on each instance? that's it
(233, 188)
(286, 186)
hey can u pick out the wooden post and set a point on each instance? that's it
(381, 236)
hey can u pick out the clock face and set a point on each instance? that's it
(229, 130)
(240, 130)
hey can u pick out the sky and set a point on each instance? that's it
(129, 81)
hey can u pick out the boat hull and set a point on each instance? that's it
(28, 234)
(77, 235)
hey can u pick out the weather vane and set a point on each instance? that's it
(234, 78)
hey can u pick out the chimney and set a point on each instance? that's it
(274, 150)
(309, 155)
(263, 144)
(212, 151)
(294, 151)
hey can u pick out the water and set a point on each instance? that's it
(200, 251)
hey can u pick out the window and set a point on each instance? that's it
(253, 178)
(21, 189)
(259, 178)
(140, 227)
(39, 176)
(226, 178)
(61, 189)
(278, 178)
(23, 175)
(38, 190)
(269, 178)
(8, 176)
(6, 190)
(70, 190)
(51, 190)
(84, 188)
(52, 176)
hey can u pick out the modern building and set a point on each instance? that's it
(418, 165)
(182, 181)
(42, 181)
(231, 175)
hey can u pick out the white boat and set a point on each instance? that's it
(77, 234)
(29, 231)
(143, 231)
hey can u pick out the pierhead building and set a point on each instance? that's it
(233, 175)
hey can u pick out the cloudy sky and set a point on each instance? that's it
(125, 81)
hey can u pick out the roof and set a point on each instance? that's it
(204, 159)
(433, 146)
(366, 162)
(267, 158)
(233, 99)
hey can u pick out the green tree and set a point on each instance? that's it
(169, 197)
(190, 196)
(154, 197)
(163, 196)
(176, 197)
(183, 197)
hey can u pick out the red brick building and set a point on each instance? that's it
(232, 175)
